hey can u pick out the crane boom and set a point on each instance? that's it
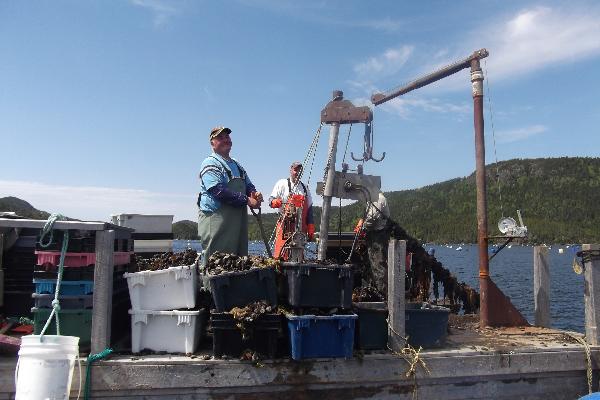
(380, 98)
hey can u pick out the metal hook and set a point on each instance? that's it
(358, 158)
(369, 145)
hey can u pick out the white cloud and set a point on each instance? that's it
(516, 135)
(527, 41)
(539, 37)
(98, 203)
(389, 62)
(162, 10)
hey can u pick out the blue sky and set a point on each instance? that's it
(105, 106)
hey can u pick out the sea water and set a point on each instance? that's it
(511, 269)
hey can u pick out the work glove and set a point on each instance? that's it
(310, 229)
(276, 203)
(358, 226)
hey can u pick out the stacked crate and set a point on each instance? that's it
(163, 314)
(321, 324)
(239, 289)
(17, 264)
(77, 286)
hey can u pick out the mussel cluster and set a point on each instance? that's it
(246, 316)
(251, 312)
(165, 260)
(366, 293)
(219, 263)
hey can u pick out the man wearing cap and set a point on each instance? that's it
(225, 191)
(293, 185)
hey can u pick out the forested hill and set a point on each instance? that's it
(559, 199)
(22, 208)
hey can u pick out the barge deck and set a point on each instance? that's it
(498, 363)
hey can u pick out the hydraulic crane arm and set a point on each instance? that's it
(380, 98)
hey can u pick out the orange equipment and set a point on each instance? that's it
(289, 235)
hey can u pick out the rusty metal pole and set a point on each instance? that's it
(482, 240)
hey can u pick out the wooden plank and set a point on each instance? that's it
(103, 290)
(61, 225)
(591, 295)
(396, 307)
(541, 286)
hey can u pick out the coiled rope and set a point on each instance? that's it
(49, 229)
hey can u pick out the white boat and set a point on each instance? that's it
(459, 248)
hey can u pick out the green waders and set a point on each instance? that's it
(225, 230)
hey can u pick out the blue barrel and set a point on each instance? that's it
(591, 396)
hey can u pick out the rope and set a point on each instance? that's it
(588, 356)
(412, 357)
(88, 369)
(48, 228)
(489, 97)
(340, 206)
(312, 150)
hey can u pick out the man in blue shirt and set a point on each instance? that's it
(225, 191)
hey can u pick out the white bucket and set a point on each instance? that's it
(45, 368)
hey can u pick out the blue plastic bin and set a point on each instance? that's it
(426, 325)
(73, 288)
(321, 336)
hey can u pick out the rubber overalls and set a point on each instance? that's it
(226, 229)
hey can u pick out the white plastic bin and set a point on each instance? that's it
(170, 331)
(166, 289)
(145, 223)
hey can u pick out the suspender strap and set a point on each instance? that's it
(290, 186)
(228, 172)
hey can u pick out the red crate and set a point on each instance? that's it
(78, 259)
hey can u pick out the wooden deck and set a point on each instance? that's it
(502, 363)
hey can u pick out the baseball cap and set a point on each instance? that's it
(296, 164)
(217, 131)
